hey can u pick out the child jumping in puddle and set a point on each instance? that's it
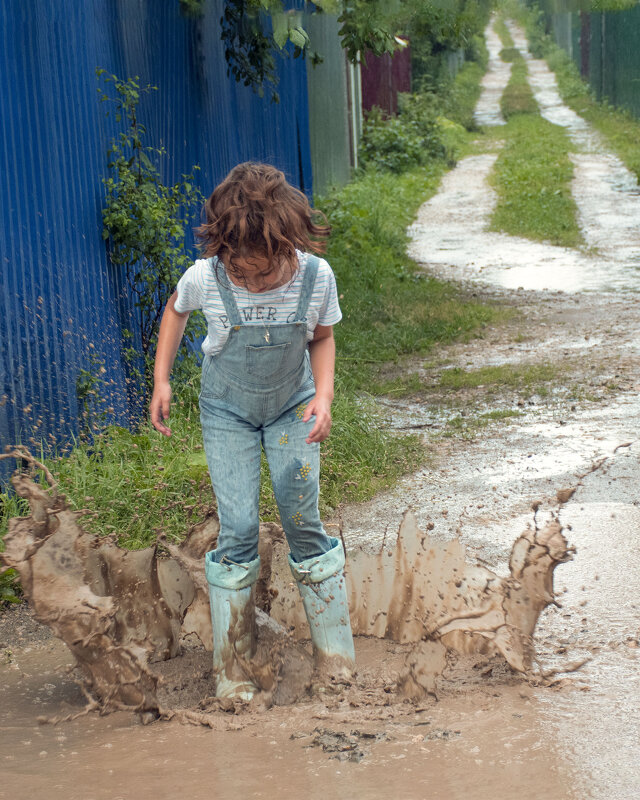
(267, 382)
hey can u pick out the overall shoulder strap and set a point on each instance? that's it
(308, 283)
(226, 295)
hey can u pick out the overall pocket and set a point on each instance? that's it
(267, 361)
(211, 384)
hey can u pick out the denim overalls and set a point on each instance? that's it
(254, 392)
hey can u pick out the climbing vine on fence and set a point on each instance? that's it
(144, 222)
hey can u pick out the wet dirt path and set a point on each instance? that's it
(491, 734)
(576, 310)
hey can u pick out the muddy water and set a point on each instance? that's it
(486, 741)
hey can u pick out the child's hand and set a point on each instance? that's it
(159, 407)
(321, 409)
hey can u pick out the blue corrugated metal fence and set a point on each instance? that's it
(61, 302)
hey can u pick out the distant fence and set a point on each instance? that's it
(62, 305)
(383, 77)
(606, 48)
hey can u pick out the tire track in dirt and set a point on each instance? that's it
(493, 82)
(569, 288)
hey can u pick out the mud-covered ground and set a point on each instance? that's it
(490, 733)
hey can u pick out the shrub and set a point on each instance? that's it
(408, 140)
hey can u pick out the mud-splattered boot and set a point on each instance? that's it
(231, 596)
(323, 589)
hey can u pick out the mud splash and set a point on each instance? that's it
(128, 618)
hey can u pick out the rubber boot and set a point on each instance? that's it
(231, 596)
(323, 589)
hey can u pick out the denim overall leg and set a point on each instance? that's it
(253, 394)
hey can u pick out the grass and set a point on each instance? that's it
(503, 32)
(517, 97)
(406, 384)
(517, 376)
(532, 177)
(467, 427)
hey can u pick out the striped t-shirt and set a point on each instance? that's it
(198, 289)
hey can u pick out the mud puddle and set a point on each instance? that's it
(484, 738)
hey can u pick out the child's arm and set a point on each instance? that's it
(171, 330)
(322, 350)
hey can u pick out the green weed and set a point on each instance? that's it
(506, 413)
(9, 587)
(404, 385)
(510, 54)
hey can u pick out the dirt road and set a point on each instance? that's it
(491, 734)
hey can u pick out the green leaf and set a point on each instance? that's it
(280, 28)
(299, 37)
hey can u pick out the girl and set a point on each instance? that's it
(267, 382)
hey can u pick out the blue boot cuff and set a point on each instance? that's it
(228, 575)
(316, 569)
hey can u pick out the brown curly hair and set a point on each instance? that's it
(254, 212)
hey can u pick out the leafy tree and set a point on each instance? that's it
(254, 32)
